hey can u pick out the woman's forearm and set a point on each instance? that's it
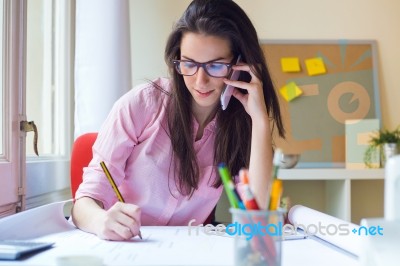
(84, 212)
(260, 168)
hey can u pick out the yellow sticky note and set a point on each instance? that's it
(290, 64)
(315, 66)
(290, 91)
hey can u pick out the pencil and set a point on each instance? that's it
(114, 186)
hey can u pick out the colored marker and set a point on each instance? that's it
(276, 193)
(277, 187)
(248, 198)
(233, 196)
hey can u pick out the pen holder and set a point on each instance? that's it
(258, 236)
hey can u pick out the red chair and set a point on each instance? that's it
(81, 156)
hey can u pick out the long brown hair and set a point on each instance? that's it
(225, 19)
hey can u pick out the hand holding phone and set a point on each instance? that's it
(228, 89)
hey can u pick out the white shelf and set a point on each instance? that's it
(330, 174)
(336, 193)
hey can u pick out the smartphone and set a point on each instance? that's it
(228, 89)
(14, 249)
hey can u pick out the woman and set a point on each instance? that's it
(162, 141)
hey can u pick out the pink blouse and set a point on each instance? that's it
(135, 146)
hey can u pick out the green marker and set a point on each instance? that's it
(227, 181)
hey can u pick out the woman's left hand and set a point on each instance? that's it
(253, 102)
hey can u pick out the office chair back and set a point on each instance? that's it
(81, 156)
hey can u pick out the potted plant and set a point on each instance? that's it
(385, 143)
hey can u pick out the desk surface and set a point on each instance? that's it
(160, 245)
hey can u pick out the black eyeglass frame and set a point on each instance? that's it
(203, 65)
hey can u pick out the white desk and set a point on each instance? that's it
(160, 245)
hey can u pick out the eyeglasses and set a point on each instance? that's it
(213, 69)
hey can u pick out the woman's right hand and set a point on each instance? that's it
(120, 222)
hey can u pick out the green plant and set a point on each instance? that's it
(376, 143)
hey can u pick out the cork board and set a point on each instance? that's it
(320, 85)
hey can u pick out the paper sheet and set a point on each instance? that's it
(290, 91)
(311, 252)
(315, 66)
(159, 246)
(290, 64)
(36, 222)
(328, 224)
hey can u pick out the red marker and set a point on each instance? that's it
(248, 198)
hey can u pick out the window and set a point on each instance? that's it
(47, 76)
(37, 72)
(49, 61)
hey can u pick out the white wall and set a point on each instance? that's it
(151, 23)
(152, 20)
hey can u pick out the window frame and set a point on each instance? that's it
(11, 162)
